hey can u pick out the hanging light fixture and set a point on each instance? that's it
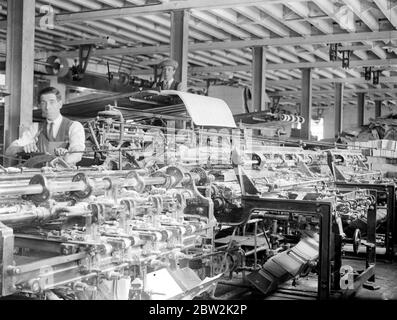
(333, 51)
(367, 73)
(346, 59)
(375, 77)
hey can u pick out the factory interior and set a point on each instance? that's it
(198, 150)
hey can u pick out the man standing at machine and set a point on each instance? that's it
(56, 135)
(167, 81)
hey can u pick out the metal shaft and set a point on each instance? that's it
(54, 187)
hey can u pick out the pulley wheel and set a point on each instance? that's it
(124, 78)
(58, 66)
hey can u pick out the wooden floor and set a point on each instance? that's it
(385, 279)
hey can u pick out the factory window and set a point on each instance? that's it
(317, 129)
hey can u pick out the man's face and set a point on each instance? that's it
(50, 106)
(168, 73)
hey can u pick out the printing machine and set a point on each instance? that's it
(293, 227)
(350, 170)
(86, 233)
(173, 214)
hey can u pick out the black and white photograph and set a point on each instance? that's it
(198, 158)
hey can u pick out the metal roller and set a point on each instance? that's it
(301, 119)
(39, 189)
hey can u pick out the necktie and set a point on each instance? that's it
(51, 131)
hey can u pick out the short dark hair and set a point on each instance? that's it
(50, 90)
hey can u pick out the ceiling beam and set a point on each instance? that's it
(330, 98)
(150, 9)
(218, 45)
(331, 80)
(319, 92)
(319, 64)
(319, 103)
(388, 12)
(280, 66)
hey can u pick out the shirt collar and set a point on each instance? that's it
(56, 121)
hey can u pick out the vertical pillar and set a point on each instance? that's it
(19, 68)
(306, 105)
(179, 43)
(378, 108)
(360, 108)
(338, 108)
(259, 97)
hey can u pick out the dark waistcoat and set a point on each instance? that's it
(47, 144)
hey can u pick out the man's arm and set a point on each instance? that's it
(27, 143)
(76, 143)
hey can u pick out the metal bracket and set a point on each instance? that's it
(84, 57)
(346, 58)
(275, 103)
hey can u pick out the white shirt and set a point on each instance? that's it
(167, 85)
(76, 139)
(179, 87)
(57, 124)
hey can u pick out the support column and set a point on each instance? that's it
(259, 97)
(306, 105)
(179, 43)
(338, 108)
(378, 108)
(360, 108)
(18, 111)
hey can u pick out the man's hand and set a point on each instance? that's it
(31, 147)
(60, 152)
